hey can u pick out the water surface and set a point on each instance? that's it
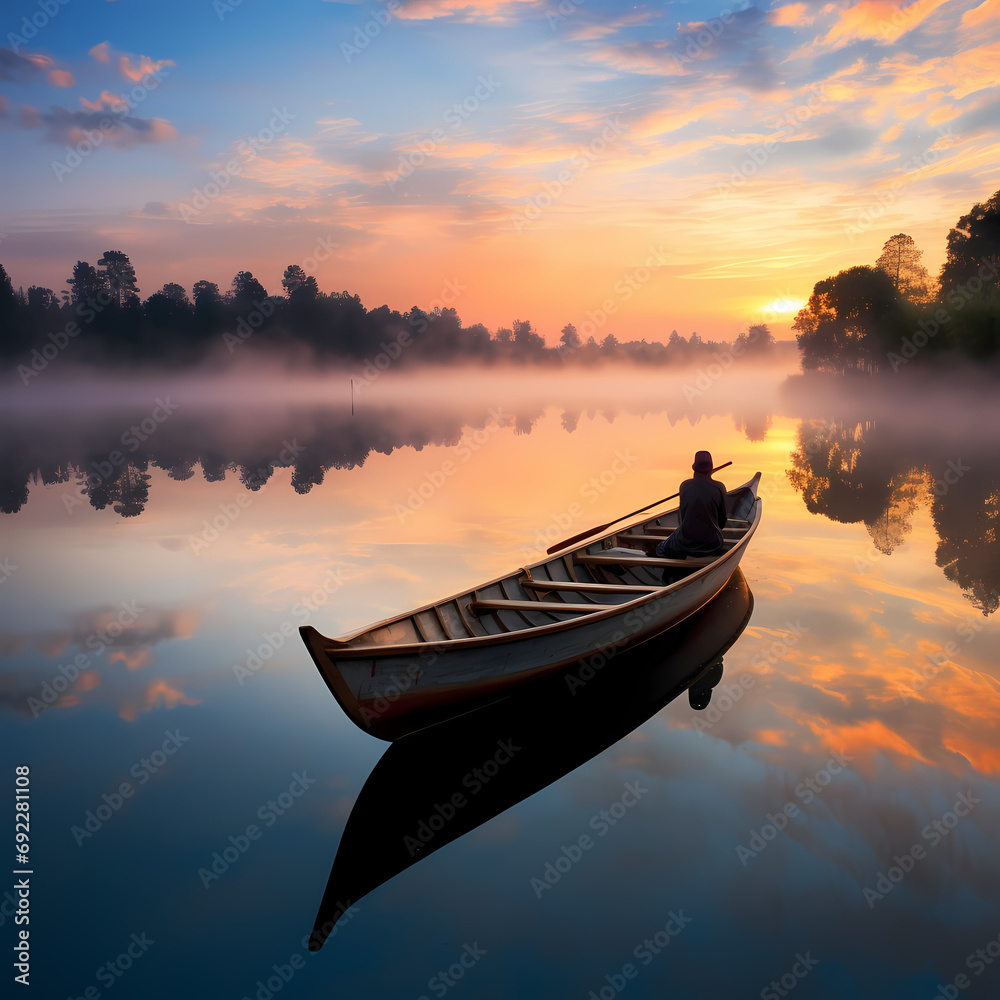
(829, 823)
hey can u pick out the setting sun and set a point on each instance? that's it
(784, 307)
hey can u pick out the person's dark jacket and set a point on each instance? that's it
(703, 516)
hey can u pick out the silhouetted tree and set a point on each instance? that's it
(42, 309)
(208, 308)
(87, 283)
(569, 338)
(900, 259)
(442, 338)
(526, 340)
(308, 291)
(973, 242)
(756, 341)
(8, 312)
(477, 340)
(247, 290)
(293, 279)
(6, 293)
(169, 317)
(40, 300)
(176, 293)
(974, 329)
(206, 293)
(120, 276)
(849, 321)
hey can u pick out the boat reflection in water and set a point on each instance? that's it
(596, 703)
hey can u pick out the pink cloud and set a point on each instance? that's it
(591, 32)
(158, 694)
(100, 52)
(986, 11)
(670, 119)
(132, 658)
(145, 67)
(112, 102)
(881, 19)
(465, 10)
(160, 130)
(790, 14)
(60, 78)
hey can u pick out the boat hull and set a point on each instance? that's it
(395, 690)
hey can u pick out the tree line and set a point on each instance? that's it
(102, 319)
(880, 318)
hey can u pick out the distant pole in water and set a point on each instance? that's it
(352, 397)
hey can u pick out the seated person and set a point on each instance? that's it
(703, 515)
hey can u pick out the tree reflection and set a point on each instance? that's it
(860, 471)
(833, 476)
(755, 425)
(126, 488)
(966, 516)
(310, 442)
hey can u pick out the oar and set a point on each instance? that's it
(624, 517)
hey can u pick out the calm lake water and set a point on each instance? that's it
(826, 827)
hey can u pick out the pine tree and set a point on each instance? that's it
(901, 261)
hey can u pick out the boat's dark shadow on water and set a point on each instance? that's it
(433, 786)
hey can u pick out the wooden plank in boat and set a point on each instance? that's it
(452, 618)
(399, 631)
(449, 632)
(476, 607)
(597, 560)
(491, 623)
(513, 591)
(473, 625)
(727, 543)
(556, 570)
(654, 531)
(586, 588)
(429, 626)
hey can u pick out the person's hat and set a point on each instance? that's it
(703, 461)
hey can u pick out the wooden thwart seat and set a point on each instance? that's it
(631, 537)
(637, 560)
(478, 607)
(587, 588)
(655, 531)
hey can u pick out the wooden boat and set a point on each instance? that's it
(588, 601)
(555, 731)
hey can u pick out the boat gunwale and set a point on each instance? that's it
(340, 647)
